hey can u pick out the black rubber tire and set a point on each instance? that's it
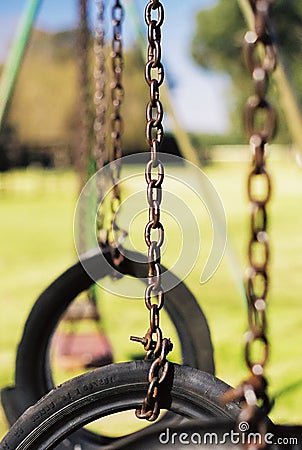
(33, 377)
(187, 392)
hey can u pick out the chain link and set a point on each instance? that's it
(117, 124)
(100, 102)
(82, 154)
(106, 216)
(155, 345)
(79, 308)
(260, 123)
(84, 92)
(117, 90)
(100, 76)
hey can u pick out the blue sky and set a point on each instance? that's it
(198, 97)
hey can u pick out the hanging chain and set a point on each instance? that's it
(100, 127)
(100, 76)
(82, 155)
(84, 92)
(155, 345)
(106, 217)
(78, 308)
(259, 192)
(260, 123)
(117, 90)
(117, 96)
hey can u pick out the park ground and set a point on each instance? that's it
(37, 209)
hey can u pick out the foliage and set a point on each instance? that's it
(218, 40)
(44, 106)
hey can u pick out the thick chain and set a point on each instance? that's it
(84, 92)
(82, 155)
(110, 228)
(259, 42)
(100, 126)
(260, 124)
(117, 96)
(100, 76)
(155, 345)
(106, 218)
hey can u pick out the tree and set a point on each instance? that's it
(217, 45)
(44, 107)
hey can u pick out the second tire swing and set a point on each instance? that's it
(34, 378)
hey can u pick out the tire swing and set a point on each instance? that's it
(252, 428)
(33, 377)
(186, 391)
(51, 422)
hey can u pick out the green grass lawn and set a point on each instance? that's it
(37, 245)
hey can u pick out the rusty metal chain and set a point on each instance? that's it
(155, 345)
(100, 76)
(82, 154)
(78, 308)
(106, 217)
(260, 123)
(117, 124)
(100, 123)
(84, 91)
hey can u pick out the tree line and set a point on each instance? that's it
(44, 121)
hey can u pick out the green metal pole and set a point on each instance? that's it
(14, 60)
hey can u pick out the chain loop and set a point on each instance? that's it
(256, 366)
(253, 60)
(260, 131)
(157, 375)
(259, 186)
(82, 148)
(153, 342)
(160, 73)
(160, 229)
(84, 94)
(154, 132)
(100, 128)
(158, 7)
(152, 287)
(259, 108)
(258, 221)
(116, 120)
(117, 90)
(107, 212)
(260, 124)
(156, 105)
(100, 76)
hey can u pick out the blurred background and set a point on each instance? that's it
(207, 85)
